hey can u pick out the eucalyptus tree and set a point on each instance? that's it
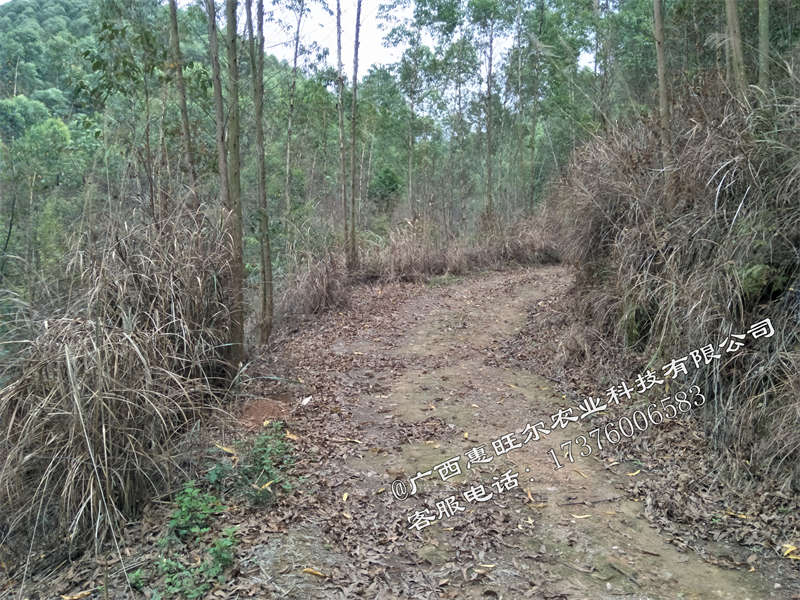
(763, 44)
(340, 114)
(256, 51)
(177, 63)
(352, 256)
(491, 18)
(735, 46)
(663, 105)
(228, 157)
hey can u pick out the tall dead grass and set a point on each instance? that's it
(412, 252)
(101, 393)
(668, 271)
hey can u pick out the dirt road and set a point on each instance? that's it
(410, 377)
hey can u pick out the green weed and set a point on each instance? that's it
(193, 511)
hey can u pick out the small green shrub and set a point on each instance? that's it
(190, 582)
(136, 579)
(218, 474)
(194, 508)
(221, 552)
(261, 471)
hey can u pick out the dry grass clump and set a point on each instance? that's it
(101, 394)
(315, 283)
(414, 252)
(669, 271)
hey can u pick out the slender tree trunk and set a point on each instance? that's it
(162, 175)
(368, 178)
(489, 196)
(30, 239)
(181, 85)
(257, 70)
(340, 112)
(763, 44)
(292, 90)
(235, 192)
(535, 112)
(9, 230)
(532, 190)
(409, 192)
(600, 67)
(737, 55)
(219, 110)
(353, 257)
(663, 104)
(148, 152)
(519, 128)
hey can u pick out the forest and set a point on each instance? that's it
(263, 262)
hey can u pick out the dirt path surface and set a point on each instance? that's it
(407, 378)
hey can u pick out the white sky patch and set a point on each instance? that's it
(319, 26)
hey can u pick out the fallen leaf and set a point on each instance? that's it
(636, 472)
(311, 571)
(78, 596)
(735, 514)
(227, 450)
(292, 436)
(788, 549)
(305, 400)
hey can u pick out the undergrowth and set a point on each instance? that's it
(255, 468)
(670, 265)
(414, 252)
(104, 388)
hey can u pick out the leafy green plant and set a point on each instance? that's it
(194, 508)
(136, 579)
(218, 474)
(181, 580)
(195, 581)
(261, 471)
(221, 553)
(259, 467)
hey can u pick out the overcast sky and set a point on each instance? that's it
(320, 27)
